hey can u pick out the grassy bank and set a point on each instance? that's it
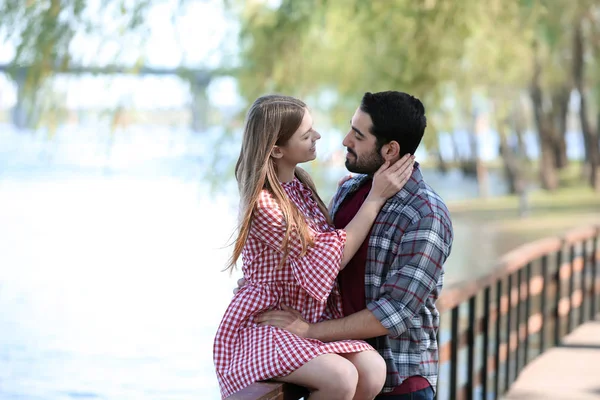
(485, 229)
(569, 201)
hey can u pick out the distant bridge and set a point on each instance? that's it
(199, 80)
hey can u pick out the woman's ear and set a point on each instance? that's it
(276, 152)
(390, 151)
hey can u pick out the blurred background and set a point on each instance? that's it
(120, 123)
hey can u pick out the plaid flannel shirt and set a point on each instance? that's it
(409, 243)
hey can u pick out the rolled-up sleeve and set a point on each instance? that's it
(416, 269)
(316, 270)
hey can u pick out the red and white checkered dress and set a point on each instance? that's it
(244, 352)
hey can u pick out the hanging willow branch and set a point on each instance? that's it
(42, 33)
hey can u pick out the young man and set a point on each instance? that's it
(390, 287)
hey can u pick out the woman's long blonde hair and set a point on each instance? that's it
(271, 120)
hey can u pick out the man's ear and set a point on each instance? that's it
(276, 152)
(390, 151)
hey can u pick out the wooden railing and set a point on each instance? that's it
(493, 326)
(534, 296)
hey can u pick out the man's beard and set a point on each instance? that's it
(366, 165)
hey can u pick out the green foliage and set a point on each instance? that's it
(435, 49)
(348, 47)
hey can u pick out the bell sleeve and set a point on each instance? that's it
(316, 270)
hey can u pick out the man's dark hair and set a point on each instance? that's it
(396, 116)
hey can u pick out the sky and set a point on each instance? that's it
(199, 34)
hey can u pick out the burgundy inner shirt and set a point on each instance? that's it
(352, 278)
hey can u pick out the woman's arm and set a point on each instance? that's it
(387, 181)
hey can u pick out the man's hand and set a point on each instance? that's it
(240, 284)
(287, 318)
(343, 179)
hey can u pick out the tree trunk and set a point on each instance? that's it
(480, 167)
(469, 165)
(590, 136)
(548, 174)
(519, 128)
(595, 172)
(560, 107)
(473, 138)
(511, 168)
(547, 164)
(482, 178)
(456, 147)
(513, 171)
(442, 165)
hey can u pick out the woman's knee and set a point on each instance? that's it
(333, 376)
(344, 380)
(374, 376)
(371, 374)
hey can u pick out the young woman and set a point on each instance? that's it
(291, 257)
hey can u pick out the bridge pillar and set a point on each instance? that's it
(200, 104)
(24, 113)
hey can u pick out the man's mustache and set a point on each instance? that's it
(351, 151)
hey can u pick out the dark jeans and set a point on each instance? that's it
(424, 394)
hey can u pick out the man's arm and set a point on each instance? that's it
(423, 251)
(360, 325)
(424, 248)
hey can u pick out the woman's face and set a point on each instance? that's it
(301, 147)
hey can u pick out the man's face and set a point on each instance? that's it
(362, 156)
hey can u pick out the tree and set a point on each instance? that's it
(586, 15)
(347, 47)
(434, 49)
